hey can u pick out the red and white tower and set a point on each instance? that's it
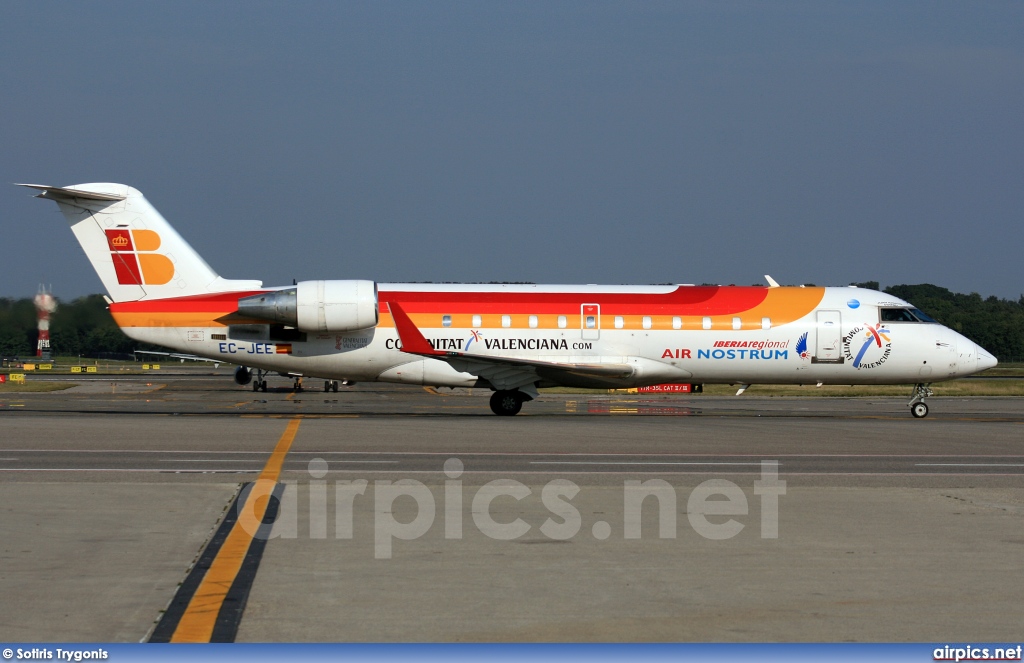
(45, 305)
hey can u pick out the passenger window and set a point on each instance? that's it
(677, 323)
(766, 323)
(706, 323)
(477, 321)
(647, 322)
(506, 321)
(737, 323)
(619, 322)
(561, 322)
(533, 322)
(591, 322)
(446, 321)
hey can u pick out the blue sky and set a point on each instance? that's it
(562, 142)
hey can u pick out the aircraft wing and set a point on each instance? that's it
(178, 355)
(504, 372)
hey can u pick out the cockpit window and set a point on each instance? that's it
(904, 315)
(922, 316)
(897, 315)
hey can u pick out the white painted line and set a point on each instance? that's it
(969, 465)
(585, 462)
(514, 453)
(699, 473)
(158, 470)
(374, 462)
(208, 460)
(134, 451)
(254, 460)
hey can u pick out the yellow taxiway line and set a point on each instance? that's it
(200, 616)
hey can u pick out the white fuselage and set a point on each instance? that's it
(840, 340)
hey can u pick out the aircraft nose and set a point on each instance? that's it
(985, 360)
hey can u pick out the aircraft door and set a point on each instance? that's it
(829, 348)
(590, 321)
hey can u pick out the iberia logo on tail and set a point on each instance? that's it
(134, 260)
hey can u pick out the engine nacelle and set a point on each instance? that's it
(317, 306)
(242, 376)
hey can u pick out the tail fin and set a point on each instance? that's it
(137, 254)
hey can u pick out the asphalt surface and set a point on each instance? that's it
(889, 528)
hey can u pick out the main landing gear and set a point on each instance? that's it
(260, 382)
(508, 402)
(918, 407)
(330, 385)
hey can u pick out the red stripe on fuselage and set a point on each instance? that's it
(222, 301)
(684, 300)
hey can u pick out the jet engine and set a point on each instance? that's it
(242, 376)
(317, 306)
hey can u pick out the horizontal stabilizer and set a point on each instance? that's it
(63, 193)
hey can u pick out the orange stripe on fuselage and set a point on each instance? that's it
(192, 311)
(781, 306)
(684, 300)
(690, 303)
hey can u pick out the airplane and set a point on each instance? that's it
(511, 338)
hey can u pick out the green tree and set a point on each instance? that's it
(17, 327)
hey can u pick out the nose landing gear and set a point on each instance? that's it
(918, 407)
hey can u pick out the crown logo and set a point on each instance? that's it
(120, 241)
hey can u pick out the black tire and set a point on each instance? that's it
(919, 410)
(505, 403)
(255, 385)
(334, 386)
(327, 386)
(263, 386)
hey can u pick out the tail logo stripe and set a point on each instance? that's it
(131, 264)
(127, 269)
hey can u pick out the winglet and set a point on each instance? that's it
(411, 337)
(772, 283)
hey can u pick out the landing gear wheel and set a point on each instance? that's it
(917, 404)
(505, 403)
(327, 386)
(334, 386)
(263, 386)
(255, 385)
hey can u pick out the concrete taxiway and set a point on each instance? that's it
(889, 528)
